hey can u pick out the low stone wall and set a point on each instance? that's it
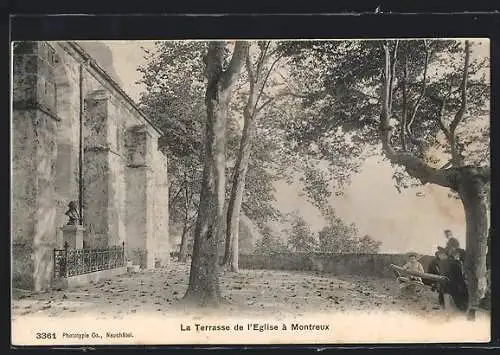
(336, 264)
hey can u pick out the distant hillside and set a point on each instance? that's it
(103, 56)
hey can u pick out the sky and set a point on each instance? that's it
(402, 221)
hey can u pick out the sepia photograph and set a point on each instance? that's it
(175, 192)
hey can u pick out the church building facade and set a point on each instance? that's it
(77, 136)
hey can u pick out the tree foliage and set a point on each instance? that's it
(300, 238)
(340, 237)
(342, 91)
(269, 243)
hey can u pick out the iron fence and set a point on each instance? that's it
(72, 262)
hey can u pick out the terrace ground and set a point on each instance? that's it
(255, 292)
(148, 303)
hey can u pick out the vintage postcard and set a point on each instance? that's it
(250, 192)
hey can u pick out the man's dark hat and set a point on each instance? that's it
(441, 250)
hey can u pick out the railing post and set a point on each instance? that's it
(66, 247)
(55, 263)
(123, 254)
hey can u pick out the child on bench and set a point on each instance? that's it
(412, 265)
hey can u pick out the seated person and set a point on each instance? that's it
(414, 265)
(433, 267)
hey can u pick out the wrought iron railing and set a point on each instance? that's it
(71, 262)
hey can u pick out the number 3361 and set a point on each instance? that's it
(45, 335)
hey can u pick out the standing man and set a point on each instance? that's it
(450, 239)
(453, 246)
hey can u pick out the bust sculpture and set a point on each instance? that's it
(72, 213)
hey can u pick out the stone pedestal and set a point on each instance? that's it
(73, 235)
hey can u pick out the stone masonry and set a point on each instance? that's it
(67, 113)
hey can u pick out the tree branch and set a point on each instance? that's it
(172, 199)
(422, 92)
(231, 73)
(254, 80)
(190, 225)
(456, 150)
(385, 115)
(446, 166)
(264, 104)
(213, 60)
(403, 128)
(263, 84)
(439, 118)
(415, 166)
(261, 60)
(251, 76)
(277, 96)
(463, 90)
(392, 74)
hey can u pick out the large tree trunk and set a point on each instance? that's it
(472, 190)
(203, 278)
(236, 197)
(203, 286)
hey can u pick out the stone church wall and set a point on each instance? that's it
(123, 172)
